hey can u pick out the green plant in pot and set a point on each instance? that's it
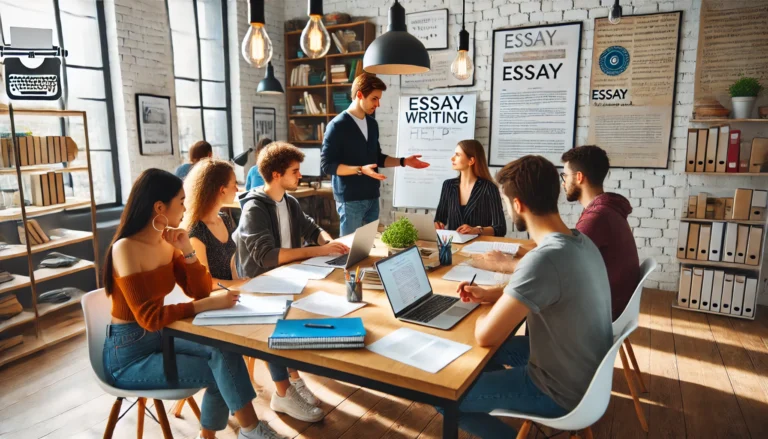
(743, 96)
(399, 235)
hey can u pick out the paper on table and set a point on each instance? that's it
(320, 261)
(485, 246)
(226, 321)
(458, 238)
(251, 306)
(417, 349)
(327, 304)
(310, 272)
(274, 285)
(464, 272)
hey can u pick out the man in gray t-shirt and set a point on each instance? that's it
(561, 287)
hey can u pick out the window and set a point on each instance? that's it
(78, 26)
(198, 32)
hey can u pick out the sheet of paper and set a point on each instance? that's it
(310, 272)
(417, 349)
(481, 247)
(251, 306)
(274, 285)
(226, 321)
(327, 304)
(458, 238)
(319, 261)
(464, 272)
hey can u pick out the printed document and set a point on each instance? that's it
(464, 272)
(417, 349)
(274, 285)
(327, 304)
(309, 272)
(481, 247)
(458, 238)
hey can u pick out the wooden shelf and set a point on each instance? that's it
(305, 87)
(54, 329)
(332, 27)
(346, 84)
(342, 55)
(19, 319)
(44, 274)
(47, 308)
(14, 213)
(305, 59)
(306, 115)
(67, 237)
(55, 167)
(19, 281)
(703, 220)
(713, 312)
(42, 112)
(721, 120)
(720, 264)
(731, 174)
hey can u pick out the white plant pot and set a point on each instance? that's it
(742, 107)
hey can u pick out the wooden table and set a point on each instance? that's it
(361, 367)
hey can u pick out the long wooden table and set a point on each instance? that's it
(361, 367)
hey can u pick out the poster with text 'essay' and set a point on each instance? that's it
(534, 91)
(431, 125)
(632, 88)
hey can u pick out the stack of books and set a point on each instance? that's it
(346, 41)
(356, 68)
(300, 75)
(346, 333)
(36, 150)
(298, 109)
(313, 104)
(47, 188)
(37, 235)
(303, 133)
(339, 74)
(341, 100)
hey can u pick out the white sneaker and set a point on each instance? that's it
(293, 405)
(262, 431)
(304, 391)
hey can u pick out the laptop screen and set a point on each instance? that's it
(404, 278)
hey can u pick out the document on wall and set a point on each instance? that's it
(327, 304)
(274, 285)
(423, 351)
(465, 272)
(458, 238)
(482, 247)
(305, 271)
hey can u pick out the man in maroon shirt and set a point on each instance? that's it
(604, 220)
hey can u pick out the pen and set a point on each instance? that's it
(316, 325)
(473, 280)
(222, 286)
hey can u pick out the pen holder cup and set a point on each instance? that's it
(354, 292)
(445, 255)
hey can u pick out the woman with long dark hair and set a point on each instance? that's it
(147, 258)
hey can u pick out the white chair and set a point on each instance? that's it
(632, 312)
(591, 407)
(97, 310)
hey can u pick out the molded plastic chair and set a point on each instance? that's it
(97, 310)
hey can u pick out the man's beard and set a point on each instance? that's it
(519, 222)
(573, 193)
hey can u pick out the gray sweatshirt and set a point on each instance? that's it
(258, 234)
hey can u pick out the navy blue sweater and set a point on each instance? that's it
(344, 144)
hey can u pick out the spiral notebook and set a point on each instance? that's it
(347, 333)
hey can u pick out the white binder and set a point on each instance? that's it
(697, 280)
(684, 291)
(729, 248)
(682, 240)
(706, 289)
(737, 301)
(716, 242)
(717, 291)
(750, 296)
(725, 300)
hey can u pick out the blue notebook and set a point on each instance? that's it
(327, 334)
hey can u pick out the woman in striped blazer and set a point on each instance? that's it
(471, 202)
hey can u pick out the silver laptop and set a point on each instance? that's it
(362, 243)
(410, 293)
(424, 223)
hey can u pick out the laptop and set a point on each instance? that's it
(410, 293)
(424, 223)
(362, 243)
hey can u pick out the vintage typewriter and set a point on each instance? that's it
(30, 84)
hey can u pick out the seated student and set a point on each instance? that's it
(470, 203)
(561, 288)
(254, 178)
(604, 220)
(272, 226)
(197, 152)
(147, 258)
(210, 185)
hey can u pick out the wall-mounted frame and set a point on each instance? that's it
(264, 124)
(430, 27)
(153, 118)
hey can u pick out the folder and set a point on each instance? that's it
(706, 289)
(753, 245)
(684, 291)
(697, 281)
(711, 155)
(734, 147)
(60, 195)
(719, 208)
(729, 248)
(725, 299)
(37, 188)
(690, 156)
(693, 241)
(745, 150)
(52, 188)
(717, 291)
(737, 300)
(43, 150)
(38, 150)
(741, 244)
(701, 205)
(701, 150)
(682, 240)
(716, 242)
(759, 204)
(51, 149)
(722, 148)
(758, 158)
(710, 214)
(742, 202)
(23, 152)
(704, 235)
(729, 208)
(692, 200)
(750, 297)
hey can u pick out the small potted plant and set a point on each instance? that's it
(743, 96)
(399, 235)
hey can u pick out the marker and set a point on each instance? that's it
(316, 325)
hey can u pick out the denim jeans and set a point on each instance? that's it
(354, 214)
(509, 389)
(133, 360)
(278, 373)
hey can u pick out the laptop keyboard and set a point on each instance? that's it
(433, 308)
(338, 261)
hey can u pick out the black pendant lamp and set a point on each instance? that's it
(270, 84)
(242, 158)
(396, 52)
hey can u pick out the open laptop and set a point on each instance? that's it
(361, 246)
(423, 222)
(410, 293)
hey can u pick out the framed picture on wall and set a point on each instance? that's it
(153, 116)
(264, 124)
(430, 27)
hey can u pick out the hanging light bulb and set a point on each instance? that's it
(257, 47)
(315, 40)
(614, 15)
(462, 66)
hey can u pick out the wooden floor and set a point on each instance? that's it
(707, 376)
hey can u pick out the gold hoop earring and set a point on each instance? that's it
(156, 217)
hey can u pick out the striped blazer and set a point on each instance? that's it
(483, 208)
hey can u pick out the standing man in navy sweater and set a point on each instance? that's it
(352, 153)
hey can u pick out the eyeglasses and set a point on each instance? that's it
(562, 177)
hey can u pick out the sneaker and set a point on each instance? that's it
(304, 391)
(262, 431)
(293, 405)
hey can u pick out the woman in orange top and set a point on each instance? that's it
(147, 258)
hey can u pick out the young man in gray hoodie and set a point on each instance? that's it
(273, 228)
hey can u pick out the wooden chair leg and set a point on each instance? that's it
(177, 408)
(140, 406)
(588, 433)
(524, 430)
(163, 419)
(633, 392)
(631, 353)
(112, 420)
(193, 405)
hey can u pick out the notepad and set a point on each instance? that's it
(481, 247)
(465, 272)
(423, 351)
(274, 285)
(340, 334)
(250, 306)
(458, 238)
(327, 304)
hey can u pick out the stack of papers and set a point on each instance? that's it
(250, 310)
(266, 284)
(481, 247)
(458, 238)
(417, 349)
(327, 304)
(465, 272)
(309, 272)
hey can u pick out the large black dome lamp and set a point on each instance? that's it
(396, 52)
